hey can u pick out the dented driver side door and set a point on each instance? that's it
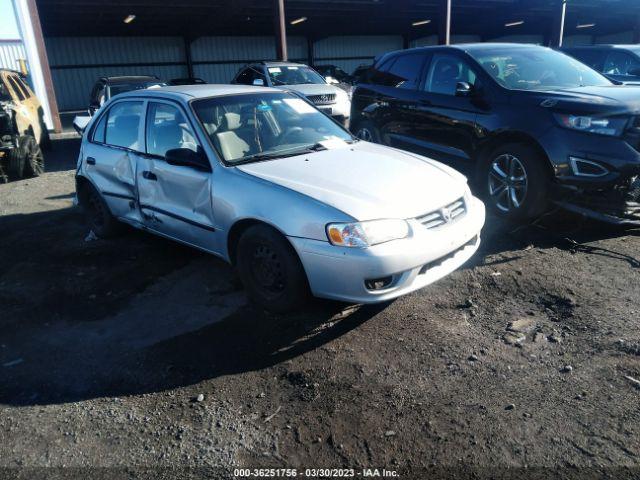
(175, 200)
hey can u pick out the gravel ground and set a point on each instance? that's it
(142, 357)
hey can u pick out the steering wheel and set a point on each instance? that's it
(290, 132)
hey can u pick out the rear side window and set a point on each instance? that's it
(123, 124)
(378, 73)
(100, 130)
(405, 71)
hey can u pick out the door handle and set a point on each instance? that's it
(91, 161)
(149, 175)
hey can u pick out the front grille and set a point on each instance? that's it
(447, 214)
(325, 99)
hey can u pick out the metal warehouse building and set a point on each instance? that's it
(69, 44)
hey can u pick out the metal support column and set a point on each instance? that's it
(558, 32)
(444, 23)
(187, 56)
(310, 51)
(39, 70)
(281, 31)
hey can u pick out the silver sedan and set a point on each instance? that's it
(262, 179)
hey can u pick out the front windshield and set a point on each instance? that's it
(129, 87)
(536, 69)
(263, 126)
(294, 75)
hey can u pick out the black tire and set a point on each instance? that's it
(522, 193)
(34, 160)
(270, 270)
(16, 160)
(367, 131)
(97, 213)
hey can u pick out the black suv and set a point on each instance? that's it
(618, 62)
(531, 125)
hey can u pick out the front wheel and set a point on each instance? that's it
(366, 130)
(516, 182)
(270, 270)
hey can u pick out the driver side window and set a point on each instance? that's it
(167, 129)
(445, 72)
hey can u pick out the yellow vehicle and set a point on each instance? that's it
(23, 133)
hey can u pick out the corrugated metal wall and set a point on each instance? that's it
(76, 63)
(10, 52)
(350, 52)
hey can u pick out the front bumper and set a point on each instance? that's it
(614, 197)
(340, 273)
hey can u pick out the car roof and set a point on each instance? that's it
(130, 79)
(280, 64)
(189, 92)
(464, 47)
(602, 46)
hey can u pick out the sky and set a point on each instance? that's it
(8, 26)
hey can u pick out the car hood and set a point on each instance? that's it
(307, 89)
(366, 181)
(613, 99)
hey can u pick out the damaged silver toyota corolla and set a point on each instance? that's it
(264, 180)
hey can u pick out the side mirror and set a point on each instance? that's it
(331, 80)
(80, 123)
(463, 89)
(258, 82)
(635, 72)
(185, 157)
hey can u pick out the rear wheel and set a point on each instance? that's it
(97, 213)
(270, 270)
(366, 130)
(516, 182)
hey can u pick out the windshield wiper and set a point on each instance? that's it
(261, 157)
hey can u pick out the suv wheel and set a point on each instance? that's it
(366, 131)
(97, 213)
(270, 270)
(516, 182)
(34, 161)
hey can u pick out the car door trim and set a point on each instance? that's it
(178, 217)
(118, 195)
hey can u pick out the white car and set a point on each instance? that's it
(297, 77)
(262, 179)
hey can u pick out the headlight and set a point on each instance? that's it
(366, 234)
(602, 126)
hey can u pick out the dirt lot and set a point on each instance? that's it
(105, 347)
